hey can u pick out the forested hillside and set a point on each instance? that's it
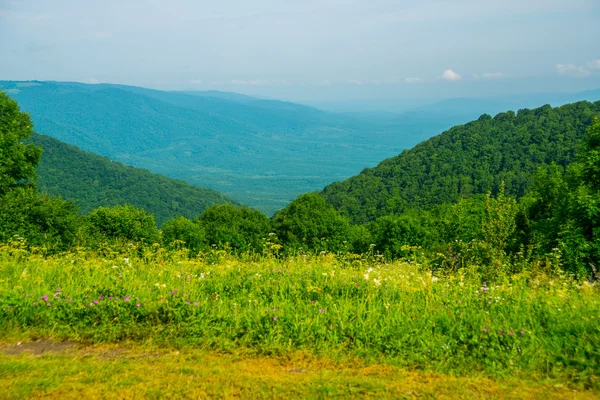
(468, 159)
(93, 181)
(261, 152)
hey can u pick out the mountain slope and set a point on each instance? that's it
(467, 159)
(94, 181)
(261, 152)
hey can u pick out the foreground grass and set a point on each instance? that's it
(533, 326)
(134, 371)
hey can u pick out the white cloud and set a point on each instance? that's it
(572, 70)
(354, 82)
(196, 82)
(595, 64)
(450, 75)
(414, 80)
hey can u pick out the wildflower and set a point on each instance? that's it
(511, 333)
(196, 303)
(485, 330)
(187, 302)
(127, 298)
(137, 305)
(45, 298)
(377, 282)
(26, 295)
(274, 318)
(320, 311)
(522, 332)
(366, 276)
(101, 298)
(95, 302)
(434, 279)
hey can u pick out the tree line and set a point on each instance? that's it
(555, 215)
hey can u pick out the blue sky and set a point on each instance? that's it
(308, 49)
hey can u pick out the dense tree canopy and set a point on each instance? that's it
(17, 160)
(93, 181)
(237, 228)
(468, 159)
(310, 223)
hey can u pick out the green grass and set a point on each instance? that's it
(534, 326)
(133, 371)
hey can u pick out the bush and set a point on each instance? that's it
(121, 223)
(182, 229)
(44, 221)
(240, 229)
(311, 224)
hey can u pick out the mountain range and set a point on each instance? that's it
(260, 152)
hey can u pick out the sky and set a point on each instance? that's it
(308, 49)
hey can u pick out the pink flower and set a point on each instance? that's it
(127, 298)
(196, 303)
(274, 318)
(45, 298)
(101, 298)
(137, 305)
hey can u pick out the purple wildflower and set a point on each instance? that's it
(26, 295)
(522, 332)
(187, 302)
(485, 330)
(48, 304)
(95, 302)
(320, 310)
(137, 305)
(45, 298)
(127, 298)
(196, 303)
(274, 318)
(101, 298)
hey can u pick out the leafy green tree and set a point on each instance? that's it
(237, 228)
(121, 223)
(311, 224)
(42, 220)
(17, 160)
(394, 234)
(182, 229)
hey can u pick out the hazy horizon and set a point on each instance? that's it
(325, 50)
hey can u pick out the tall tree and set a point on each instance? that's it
(17, 160)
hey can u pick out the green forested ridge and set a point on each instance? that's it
(261, 152)
(93, 181)
(497, 194)
(468, 159)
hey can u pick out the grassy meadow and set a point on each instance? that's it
(345, 314)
